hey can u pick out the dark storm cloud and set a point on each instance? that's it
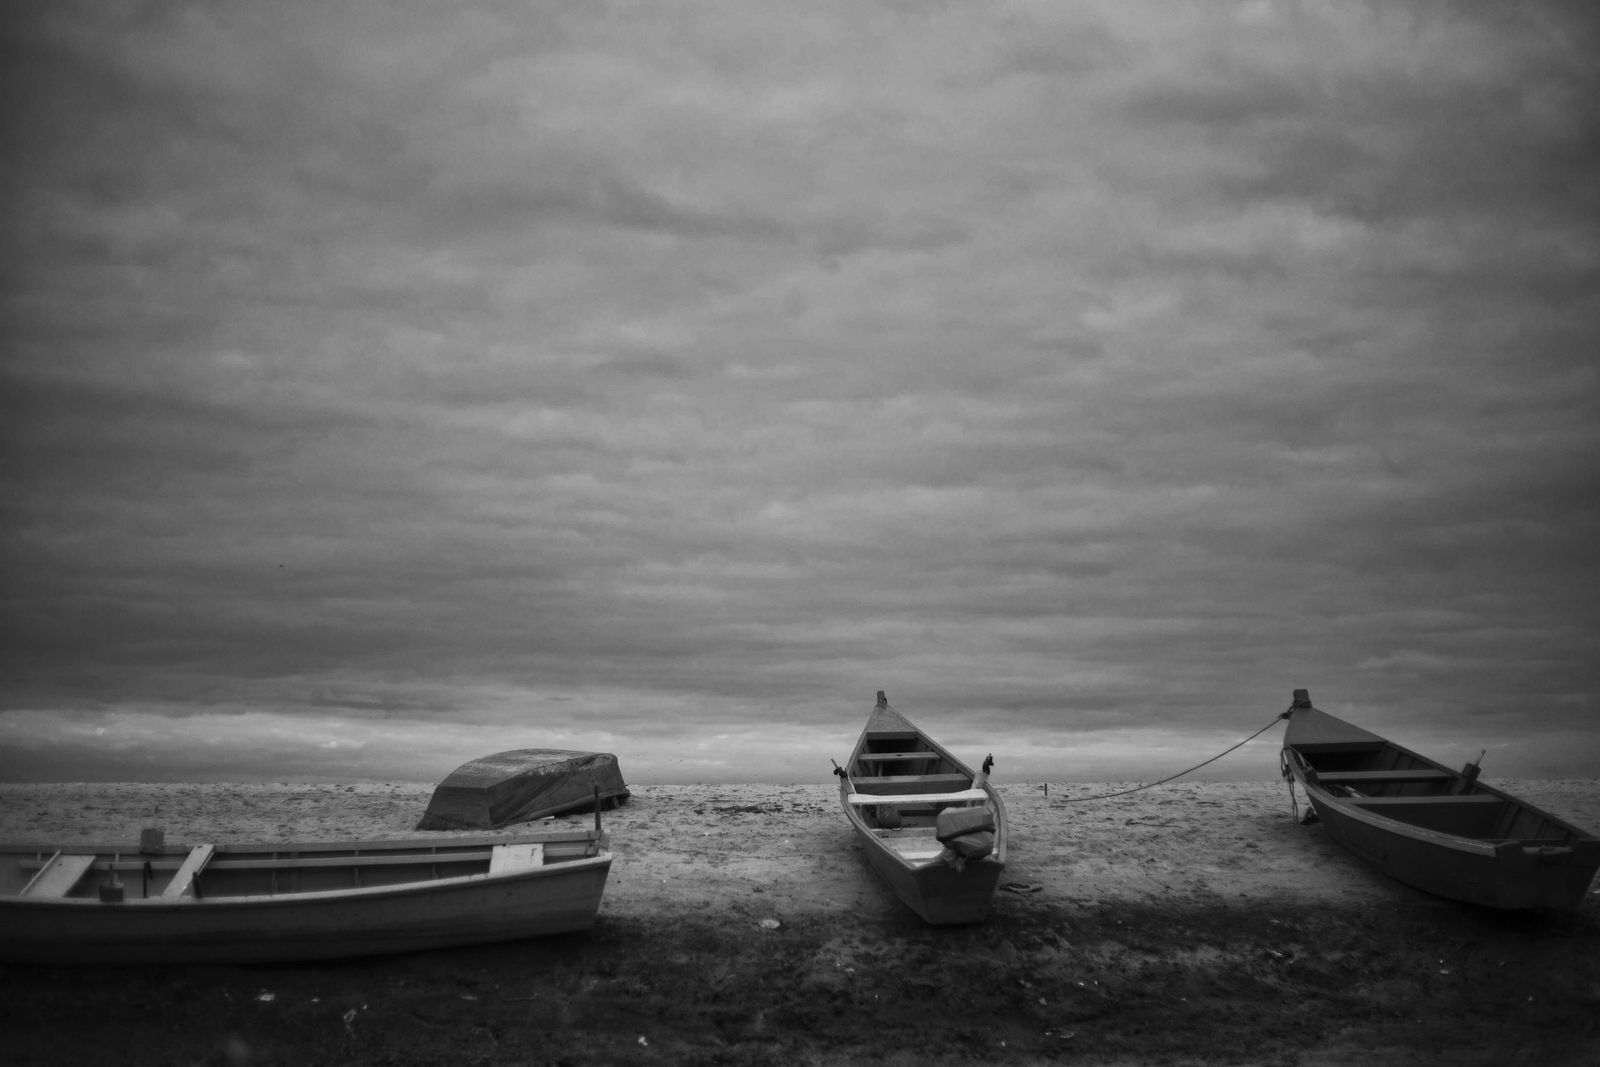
(385, 388)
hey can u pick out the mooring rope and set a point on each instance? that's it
(1180, 774)
(1288, 776)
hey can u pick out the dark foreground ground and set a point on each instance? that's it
(1194, 924)
(1043, 981)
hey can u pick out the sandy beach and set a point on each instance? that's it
(1192, 923)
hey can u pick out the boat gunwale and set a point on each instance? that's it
(347, 854)
(420, 886)
(422, 847)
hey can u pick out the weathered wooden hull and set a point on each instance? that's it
(1434, 828)
(521, 785)
(938, 893)
(908, 860)
(421, 902)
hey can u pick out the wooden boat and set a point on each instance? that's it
(522, 785)
(1440, 830)
(263, 902)
(903, 792)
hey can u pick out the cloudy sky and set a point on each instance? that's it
(388, 384)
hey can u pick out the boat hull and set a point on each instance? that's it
(320, 924)
(938, 893)
(1511, 876)
(1436, 829)
(523, 785)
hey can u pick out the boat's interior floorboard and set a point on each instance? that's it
(916, 844)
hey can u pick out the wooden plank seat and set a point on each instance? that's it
(183, 883)
(1419, 774)
(516, 857)
(1425, 801)
(910, 783)
(963, 796)
(899, 757)
(57, 876)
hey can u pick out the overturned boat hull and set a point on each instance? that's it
(521, 785)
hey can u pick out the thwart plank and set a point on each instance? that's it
(516, 857)
(57, 877)
(918, 798)
(182, 884)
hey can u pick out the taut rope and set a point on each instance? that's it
(1180, 774)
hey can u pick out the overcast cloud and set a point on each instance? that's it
(388, 384)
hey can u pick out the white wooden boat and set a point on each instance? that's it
(931, 828)
(1430, 826)
(230, 903)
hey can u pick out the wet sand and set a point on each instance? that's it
(1192, 923)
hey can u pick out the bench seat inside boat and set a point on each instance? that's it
(183, 885)
(58, 875)
(1420, 774)
(965, 796)
(899, 757)
(1425, 801)
(518, 856)
(1470, 814)
(911, 783)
